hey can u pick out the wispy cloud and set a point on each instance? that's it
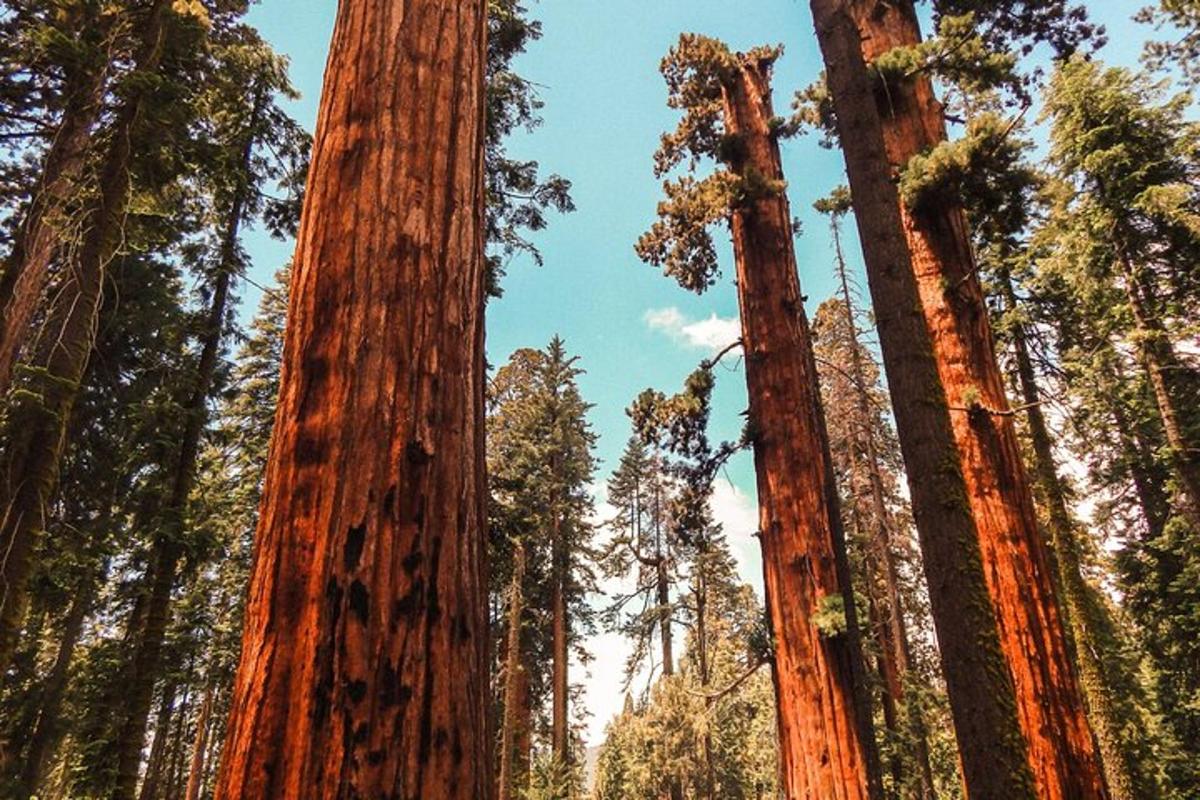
(712, 334)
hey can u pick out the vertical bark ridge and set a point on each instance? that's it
(363, 669)
(827, 747)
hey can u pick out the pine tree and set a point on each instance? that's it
(541, 465)
(728, 117)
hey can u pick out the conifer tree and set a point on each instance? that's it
(726, 102)
(1061, 752)
(540, 465)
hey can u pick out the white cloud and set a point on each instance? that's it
(737, 513)
(712, 334)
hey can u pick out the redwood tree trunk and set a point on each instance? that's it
(364, 660)
(826, 743)
(982, 697)
(38, 420)
(1062, 753)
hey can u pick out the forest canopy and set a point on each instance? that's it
(537, 401)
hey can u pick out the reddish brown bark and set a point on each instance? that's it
(1090, 623)
(1062, 751)
(826, 745)
(38, 419)
(364, 659)
(982, 697)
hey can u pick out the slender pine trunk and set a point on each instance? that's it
(514, 680)
(48, 731)
(168, 547)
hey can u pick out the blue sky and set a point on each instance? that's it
(605, 108)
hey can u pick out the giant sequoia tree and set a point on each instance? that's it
(363, 668)
(826, 743)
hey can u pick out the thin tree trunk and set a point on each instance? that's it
(514, 679)
(662, 585)
(1092, 628)
(364, 668)
(168, 547)
(993, 753)
(1166, 375)
(48, 732)
(1061, 748)
(45, 225)
(158, 746)
(560, 685)
(199, 745)
(827, 747)
(38, 419)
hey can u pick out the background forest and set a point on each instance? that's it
(651, 196)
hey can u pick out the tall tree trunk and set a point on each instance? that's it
(993, 753)
(38, 418)
(516, 683)
(48, 732)
(199, 745)
(893, 638)
(168, 546)
(1062, 752)
(827, 747)
(1166, 374)
(560, 733)
(662, 583)
(1093, 630)
(43, 227)
(156, 764)
(364, 659)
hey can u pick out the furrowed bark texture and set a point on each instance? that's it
(1062, 752)
(826, 745)
(982, 697)
(39, 414)
(363, 670)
